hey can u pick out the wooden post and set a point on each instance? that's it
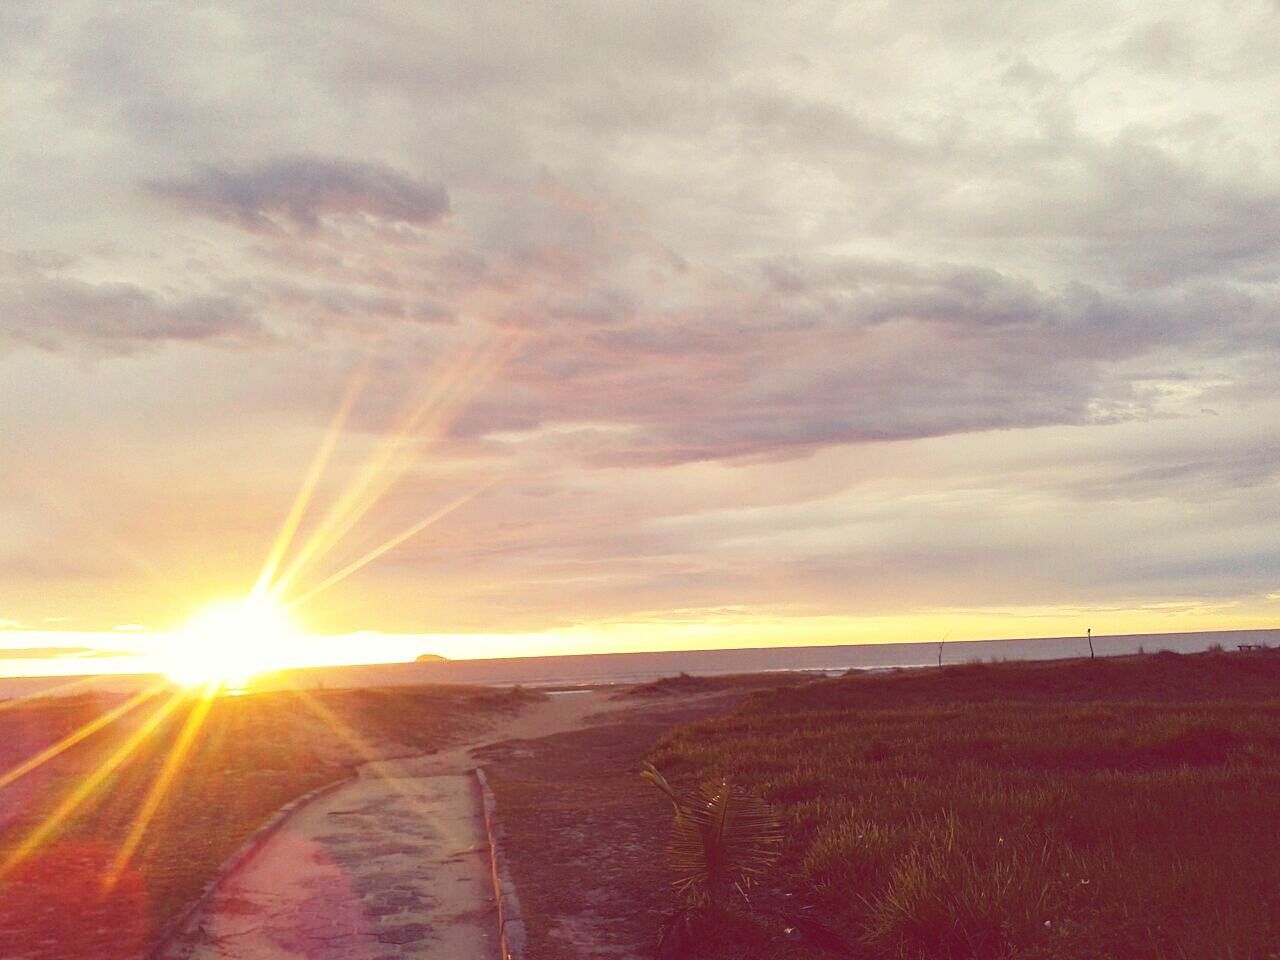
(940, 646)
(1089, 635)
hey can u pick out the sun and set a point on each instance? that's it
(226, 644)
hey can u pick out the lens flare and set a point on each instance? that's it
(228, 643)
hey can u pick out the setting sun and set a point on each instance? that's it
(229, 642)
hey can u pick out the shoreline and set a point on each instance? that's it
(615, 669)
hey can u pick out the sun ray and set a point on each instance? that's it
(172, 764)
(357, 743)
(303, 499)
(450, 390)
(374, 479)
(88, 785)
(85, 731)
(390, 471)
(383, 548)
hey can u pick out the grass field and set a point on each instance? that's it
(252, 754)
(1118, 808)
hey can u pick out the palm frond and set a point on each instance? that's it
(651, 773)
(722, 837)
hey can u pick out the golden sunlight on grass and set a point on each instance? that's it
(105, 843)
(226, 644)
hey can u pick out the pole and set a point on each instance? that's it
(1089, 635)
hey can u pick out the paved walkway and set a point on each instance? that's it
(390, 867)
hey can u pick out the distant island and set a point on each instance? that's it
(429, 658)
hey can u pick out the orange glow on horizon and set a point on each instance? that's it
(721, 631)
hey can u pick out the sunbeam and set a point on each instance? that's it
(85, 731)
(357, 743)
(451, 389)
(88, 785)
(303, 499)
(374, 479)
(172, 764)
(391, 544)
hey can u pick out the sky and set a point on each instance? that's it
(698, 325)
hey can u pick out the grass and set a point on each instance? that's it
(683, 684)
(584, 835)
(254, 754)
(1115, 808)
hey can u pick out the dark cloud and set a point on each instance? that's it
(303, 190)
(56, 313)
(1221, 467)
(829, 352)
(1132, 208)
(337, 308)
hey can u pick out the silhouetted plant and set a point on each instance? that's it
(723, 838)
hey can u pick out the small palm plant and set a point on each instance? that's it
(723, 838)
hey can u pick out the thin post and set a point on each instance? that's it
(1089, 635)
(940, 646)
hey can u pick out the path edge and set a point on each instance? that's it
(512, 937)
(242, 853)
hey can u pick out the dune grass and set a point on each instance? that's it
(1121, 808)
(253, 754)
(684, 685)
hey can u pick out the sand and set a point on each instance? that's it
(394, 864)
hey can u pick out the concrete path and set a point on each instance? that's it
(394, 865)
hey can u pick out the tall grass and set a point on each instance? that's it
(1078, 810)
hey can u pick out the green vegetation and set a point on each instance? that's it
(252, 755)
(1113, 808)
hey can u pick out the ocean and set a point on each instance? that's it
(626, 668)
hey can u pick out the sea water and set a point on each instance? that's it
(625, 668)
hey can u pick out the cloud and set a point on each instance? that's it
(302, 190)
(56, 313)
(832, 351)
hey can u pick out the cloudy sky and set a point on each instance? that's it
(743, 323)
